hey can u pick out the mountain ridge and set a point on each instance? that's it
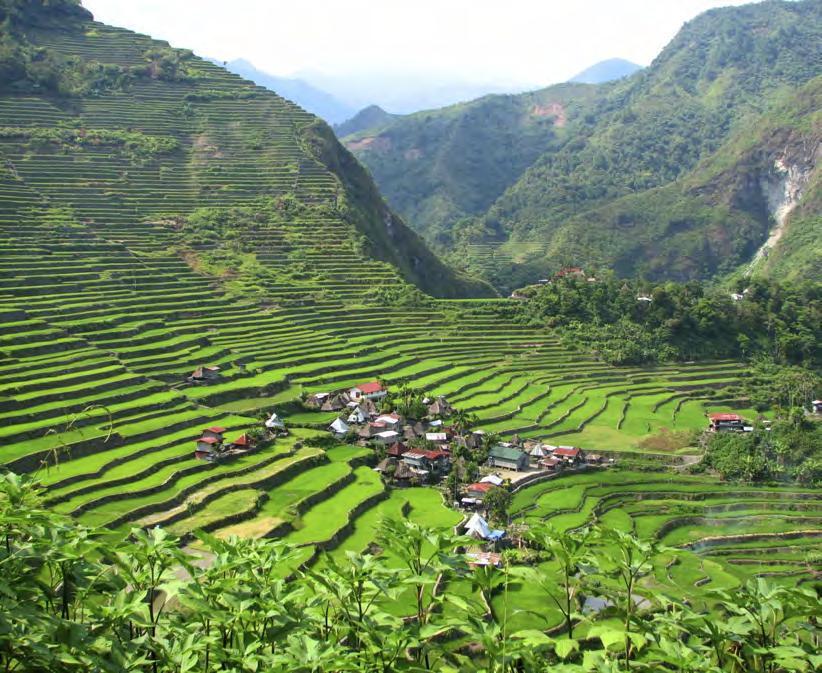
(307, 96)
(606, 71)
(629, 137)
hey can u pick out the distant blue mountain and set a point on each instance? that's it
(371, 117)
(606, 71)
(308, 97)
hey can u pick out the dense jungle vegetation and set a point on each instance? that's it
(73, 601)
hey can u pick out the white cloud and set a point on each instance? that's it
(529, 42)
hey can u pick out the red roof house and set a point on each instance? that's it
(435, 454)
(372, 387)
(567, 452)
(214, 431)
(724, 417)
(396, 449)
(371, 390)
(243, 442)
(479, 489)
(206, 446)
(720, 422)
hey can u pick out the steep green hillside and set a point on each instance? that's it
(438, 166)
(623, 184)
(720, 67)
(114, 127)
(717, 216)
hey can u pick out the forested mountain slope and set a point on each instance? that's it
(439, 166)
(118, 132)
(725, 70)
(717, 216)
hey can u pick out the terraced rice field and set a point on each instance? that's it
(719, 534)
(103, 318)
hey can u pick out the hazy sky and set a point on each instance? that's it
(527, 42)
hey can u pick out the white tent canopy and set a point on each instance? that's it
(274, 422)
(494, 479)
(339, 426)
(477, 527)
(358, 416)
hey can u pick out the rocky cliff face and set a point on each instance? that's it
(783, 187)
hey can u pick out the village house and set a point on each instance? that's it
(481, 559)
(538, 452)
(405, 474)
(215, 431)
(436, 437)
(478, 528)
(205, 374)
(316, 399)
(508, 458)
(430, 461)
(242, 443)
(440, 407)
(476, 492)
(207, 448)
(396, 450)
(340, 428)
(372, 390)
(274, 423)
(569, 454)
(551, 464)
(334, 403)
(493, 479)
(385, 464)
(357, 415)
(817, 406)
(391, 421)
(387, 437)
(725, 423)
(399, 472)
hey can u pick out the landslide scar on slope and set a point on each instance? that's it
(378, 143)
(555, 110)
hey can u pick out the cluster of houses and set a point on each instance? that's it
(534, 455)
(213, 447)
(405, 463)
